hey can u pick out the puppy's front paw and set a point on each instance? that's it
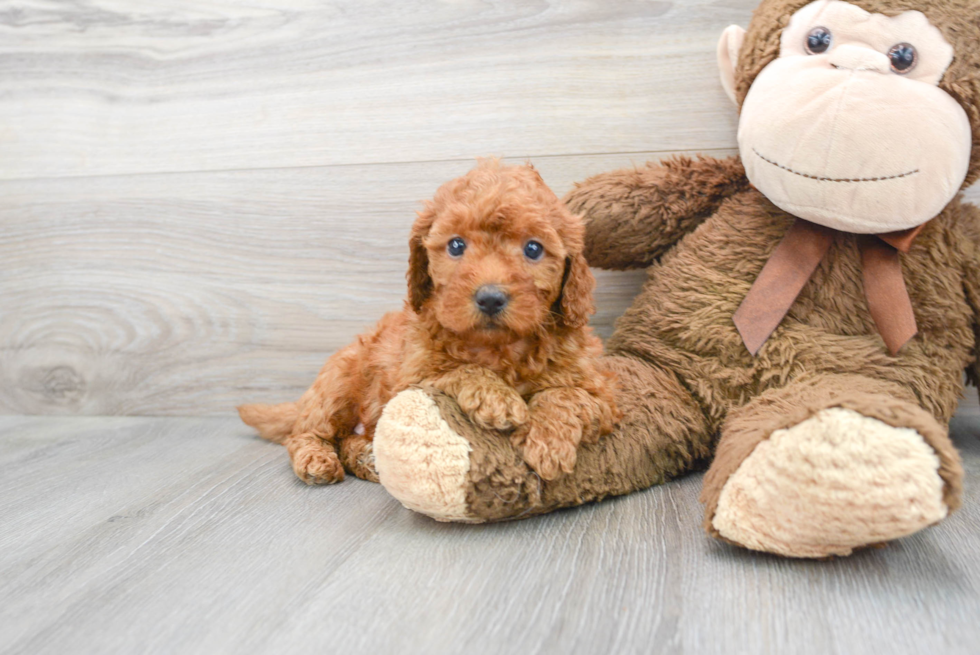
(317, 466)
(495, 408)
(600, 422)
(548, 448)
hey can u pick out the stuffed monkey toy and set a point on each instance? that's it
(810, 309)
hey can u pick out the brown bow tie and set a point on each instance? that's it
(795, 259)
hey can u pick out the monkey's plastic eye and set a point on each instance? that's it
(903, 57)
(818, 40)
(456, 247)
(533, 250)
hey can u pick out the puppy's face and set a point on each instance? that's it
(498, 249)
(495, 271)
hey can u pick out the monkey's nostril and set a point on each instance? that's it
(490, 299)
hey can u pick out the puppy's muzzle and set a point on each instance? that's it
(490, 300)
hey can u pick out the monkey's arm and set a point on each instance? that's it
(970, 244)
(634, 215)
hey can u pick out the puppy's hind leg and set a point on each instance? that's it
(328, 411)
(357, 456)
(314, 460)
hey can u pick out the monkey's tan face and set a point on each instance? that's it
(848, 128)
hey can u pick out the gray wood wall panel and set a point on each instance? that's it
(105, 87)
(200, 201)
(187, 293)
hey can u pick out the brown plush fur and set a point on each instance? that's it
(708, 234)
(529, 371)
(682, 319)
(501, 487)
(686, 379)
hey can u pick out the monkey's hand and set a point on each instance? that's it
(634, 215)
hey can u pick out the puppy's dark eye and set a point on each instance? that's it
(456, 247)
(903, 57)
(818, 40)
(533, 250)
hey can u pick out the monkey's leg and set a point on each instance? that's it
(434, 460)
(829, 464)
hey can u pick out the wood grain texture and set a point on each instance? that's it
(100, 87)
(182, 535)
(186, 294)
(200, 201)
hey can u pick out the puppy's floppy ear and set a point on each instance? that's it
(419, 282)
(574, 303)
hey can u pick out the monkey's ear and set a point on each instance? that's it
(575, 302)
(728, 46)
(419, 282)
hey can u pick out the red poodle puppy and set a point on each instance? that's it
(499, 298)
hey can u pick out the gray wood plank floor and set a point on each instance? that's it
(190, 535)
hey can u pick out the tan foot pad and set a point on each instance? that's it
(420, 460)
(835, 482)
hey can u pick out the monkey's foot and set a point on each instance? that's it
(837, 481)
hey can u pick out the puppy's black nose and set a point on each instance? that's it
(490, 299)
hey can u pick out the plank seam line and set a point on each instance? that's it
(353, 164)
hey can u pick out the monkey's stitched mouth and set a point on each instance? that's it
(833, 179)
